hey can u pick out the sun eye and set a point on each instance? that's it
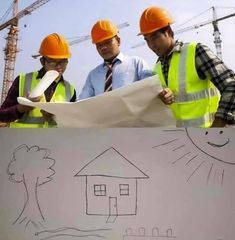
(206, 133)
(221, 132)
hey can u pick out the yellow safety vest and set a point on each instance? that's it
(34, 119)
(195, 100)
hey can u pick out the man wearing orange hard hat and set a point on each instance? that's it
(117, 69)
(54, 52)
(190, 73)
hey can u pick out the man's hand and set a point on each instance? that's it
(35, 99)
(23, 108)
(166, 96)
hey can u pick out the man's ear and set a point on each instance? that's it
(169, 32)
(118, 40)
(42, 61)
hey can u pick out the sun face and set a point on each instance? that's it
(215, 143)
(202, 151)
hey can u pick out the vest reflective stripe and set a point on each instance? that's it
(28, 82)
(64, 92)
(196, 96)
(205, 120)
(195, 100)
(182, 71)
(68, 92)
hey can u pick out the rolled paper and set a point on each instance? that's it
(44, 83)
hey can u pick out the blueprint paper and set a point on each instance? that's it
(136, 105)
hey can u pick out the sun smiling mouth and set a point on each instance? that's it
(218, 145)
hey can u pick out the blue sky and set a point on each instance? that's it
(74, 18)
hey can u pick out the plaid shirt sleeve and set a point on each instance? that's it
(209, 66)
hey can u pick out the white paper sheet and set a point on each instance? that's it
(117, 184)
(136, 105)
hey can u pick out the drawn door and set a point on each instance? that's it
(113, 206)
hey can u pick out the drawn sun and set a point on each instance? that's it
(211, 148)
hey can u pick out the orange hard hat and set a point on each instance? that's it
(55, 46)
(153, 19)
(103, 30)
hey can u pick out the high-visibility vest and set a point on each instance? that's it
(34, 119)
(195, 100)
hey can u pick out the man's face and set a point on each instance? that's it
(55, 64)
(108, 49)
(159, 42)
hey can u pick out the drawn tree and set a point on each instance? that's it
(32, 167)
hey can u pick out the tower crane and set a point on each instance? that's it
(216, 32)
(11, 42)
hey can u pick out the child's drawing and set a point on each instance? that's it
(32, 167)
(111, 185)
(99, 191)
(72, 232)
(210, 148)
(143, 235)
(215, 144)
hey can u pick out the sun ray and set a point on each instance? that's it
(162, 144)
(190, 160)
(222, 178)
(196, 169)
(214, 177)
(209, 174)
(175, 149)
(181, 157)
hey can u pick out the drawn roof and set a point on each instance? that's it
(111, 163)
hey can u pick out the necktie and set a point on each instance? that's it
(108, 77)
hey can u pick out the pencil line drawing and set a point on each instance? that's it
(71, 232)
(215, 146)
(71, 229)
(212, 144)
(32, 167)
(195, 170)
(181, 157)
(71, 235)
(166, 143)
(106, 195)
(154, 235)
(191, 159)
(111, 185)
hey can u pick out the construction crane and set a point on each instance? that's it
(216, 32)
(11, 42)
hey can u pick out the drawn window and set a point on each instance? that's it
(100, 190)
(124, 189)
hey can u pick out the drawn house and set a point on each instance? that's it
(111, 185)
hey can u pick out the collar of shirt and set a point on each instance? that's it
(177, 48)
(119, 58)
